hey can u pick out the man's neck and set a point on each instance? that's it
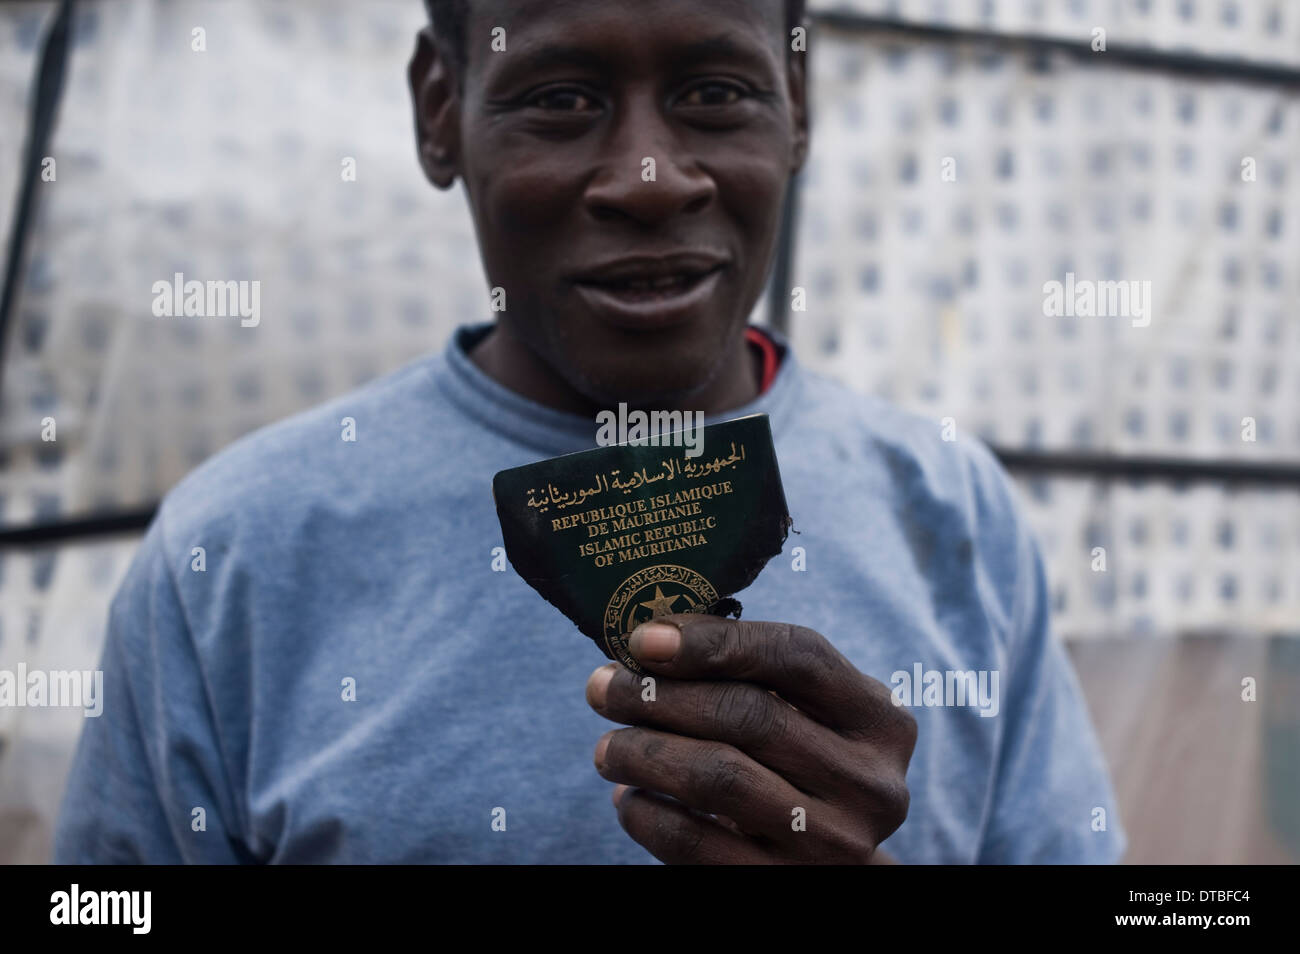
(506, 360)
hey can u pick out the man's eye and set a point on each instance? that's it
(563, 100)
(714, 94)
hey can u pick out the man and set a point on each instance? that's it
(348, 678)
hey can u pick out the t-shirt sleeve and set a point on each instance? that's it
(1052, 799)
(146, 765)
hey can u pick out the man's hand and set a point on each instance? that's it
(770, 744)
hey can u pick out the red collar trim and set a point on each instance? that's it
(771, 359)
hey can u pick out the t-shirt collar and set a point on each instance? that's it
(556, 432)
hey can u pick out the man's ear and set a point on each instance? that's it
(435, 98)
(797, 80)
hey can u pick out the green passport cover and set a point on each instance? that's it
(615, 536)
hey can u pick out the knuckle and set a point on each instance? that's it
(717, 777)
(651, 744)
(836, 836)
(748, 716)
(908, 730)
(631, 748)
(893, 800)
(856, 777)
(902, 801)
(809, 650)
(880, 716)
(725, 646)
(894, 724)
(675, 835)
(777, 646)
(852, 844)
(877, 792)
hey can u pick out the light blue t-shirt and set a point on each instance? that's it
(331, 564)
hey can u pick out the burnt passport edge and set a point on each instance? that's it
(733, 557)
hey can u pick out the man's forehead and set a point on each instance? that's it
(683, 20)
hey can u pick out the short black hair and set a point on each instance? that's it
(449, 18)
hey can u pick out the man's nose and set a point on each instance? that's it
(646, 173)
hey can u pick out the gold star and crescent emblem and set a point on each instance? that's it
(661, 605)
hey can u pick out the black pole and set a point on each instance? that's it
(1195, 65)
(51, 70)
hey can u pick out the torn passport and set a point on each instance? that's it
(619, 535)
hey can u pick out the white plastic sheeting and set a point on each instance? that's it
(947, 185)
(226, 164)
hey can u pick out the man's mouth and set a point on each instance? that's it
(650, 293)
(652, 289)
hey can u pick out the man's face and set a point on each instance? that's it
(625, 164)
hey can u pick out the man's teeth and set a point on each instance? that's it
(652, 284)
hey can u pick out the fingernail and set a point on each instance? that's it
(655, 642)
(598, 685)
(601, 746)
